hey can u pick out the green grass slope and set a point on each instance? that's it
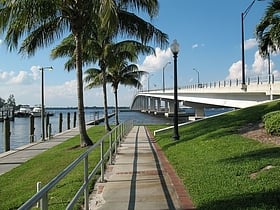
(19, 184)
(222, 169)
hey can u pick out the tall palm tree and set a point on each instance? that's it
(43, 22)
(268, 30)
(112, 56)
(125, 74)
(126, 24)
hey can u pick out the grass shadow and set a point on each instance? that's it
(258, 200)
(271, 153)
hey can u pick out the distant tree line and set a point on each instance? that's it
(10, 102)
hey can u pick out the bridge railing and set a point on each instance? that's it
(113, 138)
(261, 79)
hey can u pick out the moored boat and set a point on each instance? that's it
(24, 111)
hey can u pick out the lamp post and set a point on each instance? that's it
(243, 15)
(43, 106)
(175, 50)
(269, 75)
(197, 75)
(163, 82)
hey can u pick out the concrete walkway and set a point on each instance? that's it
(16, 157)
(140, 178)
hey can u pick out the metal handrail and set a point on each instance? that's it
(115, 137)
(259, 79)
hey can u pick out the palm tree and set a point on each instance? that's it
(268, 30)
(43, 22)
(125, 74)
(113, 55)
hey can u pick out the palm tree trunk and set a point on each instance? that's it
(106, 120)
(84, 138)
(116, 106)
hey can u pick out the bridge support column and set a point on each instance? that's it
(158, 104)
(146, 103)
(199, 112)
(152, 104)
(166, 106)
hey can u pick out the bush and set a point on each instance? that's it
(272, 123)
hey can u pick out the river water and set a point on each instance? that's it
(20, 126)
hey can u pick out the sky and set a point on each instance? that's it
(209, 34)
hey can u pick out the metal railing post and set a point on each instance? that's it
(44, 202)
(86, 190)
(116, 141)
(110, 145)
(102, 160)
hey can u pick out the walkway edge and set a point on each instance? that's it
(179, 188)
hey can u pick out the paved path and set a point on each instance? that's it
(140, 178)
(16, 157)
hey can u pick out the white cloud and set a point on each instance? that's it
(156, 62)
(235, 71)
(258, 68)
(195, 46)
(250, 43)
(20, 78)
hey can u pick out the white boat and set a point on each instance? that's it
(36, 111)
(24, 111)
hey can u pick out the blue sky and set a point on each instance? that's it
(209, 34)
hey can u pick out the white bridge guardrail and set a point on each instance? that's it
(262, 79)
(115, 136)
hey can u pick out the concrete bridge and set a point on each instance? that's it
(230, 93)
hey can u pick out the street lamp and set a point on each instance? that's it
(175, 47)
(163, 82)
(269, 75)
(197, 75)
(243, 15)
(43, 106)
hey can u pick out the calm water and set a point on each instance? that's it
(20, 127)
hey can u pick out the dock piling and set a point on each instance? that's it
(7, 134)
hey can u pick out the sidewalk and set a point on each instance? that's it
(140, 178)
(16, 157)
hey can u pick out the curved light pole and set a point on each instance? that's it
(43, 106)
(197, 75)
(243, 15)
(175, 47)
(163, 82)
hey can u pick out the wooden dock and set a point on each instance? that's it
(7, 112)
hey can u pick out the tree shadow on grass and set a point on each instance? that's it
(259, 200)
(273, 152)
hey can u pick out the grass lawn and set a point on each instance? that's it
(19, 184)
(222, 169)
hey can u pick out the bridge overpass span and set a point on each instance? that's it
(211, 95)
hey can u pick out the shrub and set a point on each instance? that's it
(272, 123)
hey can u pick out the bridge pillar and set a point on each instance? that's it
(146, 103)
(166, 106)
(152, 104)
(199, 112)
(171, 106)
(158, 104)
